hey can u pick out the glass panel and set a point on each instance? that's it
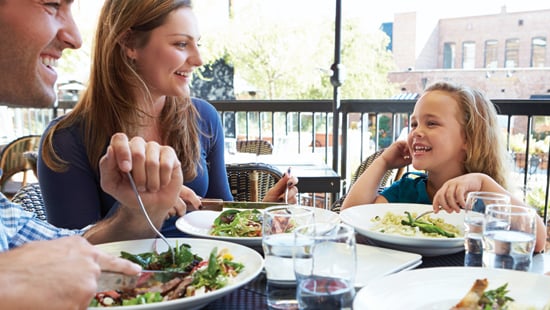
(449, 54)
(468, 55)
(491, 54)
(538, 52)
(511, 57)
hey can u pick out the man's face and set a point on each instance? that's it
(33, 35)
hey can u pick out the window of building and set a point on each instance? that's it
(511, 54)
(449, 54)
(538, 52)
(491, 54)
(468, 55)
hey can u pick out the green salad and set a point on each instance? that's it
(238, 223)
(198, 276)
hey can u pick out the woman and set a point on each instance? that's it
(143, 58)
(456, 139)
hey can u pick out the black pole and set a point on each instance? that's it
(336, 82)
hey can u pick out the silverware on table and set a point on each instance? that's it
(140, 202)
(109, 280)
(219, 204)
(422, 214)
(287, 187)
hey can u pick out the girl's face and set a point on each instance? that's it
(167, 61)
(436, 141)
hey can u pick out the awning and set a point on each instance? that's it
(406, 96)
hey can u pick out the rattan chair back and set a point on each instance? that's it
(13, 161)
(30, 199)
(251, 181)
(258, 147)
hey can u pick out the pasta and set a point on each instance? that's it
(391, 223)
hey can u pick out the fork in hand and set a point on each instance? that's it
(140, 202)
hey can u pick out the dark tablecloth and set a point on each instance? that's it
(253, 295)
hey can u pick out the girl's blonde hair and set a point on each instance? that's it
(486, 151)
(108, 105)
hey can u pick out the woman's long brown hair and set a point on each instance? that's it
(108, 105)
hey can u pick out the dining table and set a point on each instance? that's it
(253, 295)
(313, 173)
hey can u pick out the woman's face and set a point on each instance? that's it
(167, 61)
(436, 140)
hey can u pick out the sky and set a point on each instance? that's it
(212, 14)
(211, 11)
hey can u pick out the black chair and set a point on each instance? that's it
(30, 199)
(251, 181)
(389, 177)
(258, 147)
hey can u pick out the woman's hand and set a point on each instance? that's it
(190, 200)
(277, 192)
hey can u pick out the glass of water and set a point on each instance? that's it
(279, 223)
(325, 265)
(509, 236)
(476, 203)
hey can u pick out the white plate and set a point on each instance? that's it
(374, 262)
(199, 224)
(252, 261)
(360, 218)
(442, 288)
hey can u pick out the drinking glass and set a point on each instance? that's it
(509, 236)
(279, 223)
(473, 224)
(230, 146)
(325, 264)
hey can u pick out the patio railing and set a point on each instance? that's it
(305, 126)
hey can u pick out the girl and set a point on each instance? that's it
(455, 139)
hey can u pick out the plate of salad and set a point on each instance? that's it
(446, 287)
(216, 269)
(243, 226)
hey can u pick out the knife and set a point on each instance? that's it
(109, 280)
(219, 204)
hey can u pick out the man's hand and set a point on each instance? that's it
(57, 274)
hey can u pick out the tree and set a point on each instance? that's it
(289, 59)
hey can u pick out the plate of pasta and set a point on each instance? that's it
(393, 225)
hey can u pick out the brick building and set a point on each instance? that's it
(505, 55)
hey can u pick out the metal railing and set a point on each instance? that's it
(305, 126)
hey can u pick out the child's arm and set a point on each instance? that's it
(459, 188)
(365, 189)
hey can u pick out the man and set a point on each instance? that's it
(62, 273)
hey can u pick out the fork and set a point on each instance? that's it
(140, 202)
(286, 189)
(422, 214)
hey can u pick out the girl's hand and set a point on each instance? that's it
(451, 197)
(397, 155)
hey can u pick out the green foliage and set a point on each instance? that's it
(535, 198)
(291, 59)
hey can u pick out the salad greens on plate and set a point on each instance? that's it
(198, 276)
(238, 223)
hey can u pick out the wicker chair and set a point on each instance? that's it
(30, 199)
(13, 161)
(251, 181)
(390, 175)
(258, 147)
